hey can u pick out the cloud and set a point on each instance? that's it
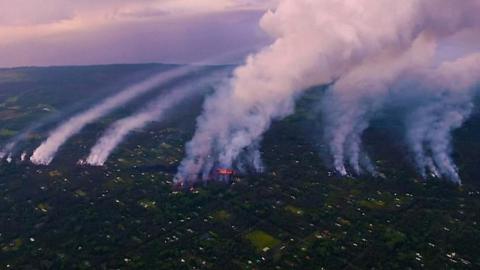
(31, 31)
(28, 13)
(160, 40)
(31, 13)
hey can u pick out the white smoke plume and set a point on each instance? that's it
(12, 146)
(443, 101)
(356, 96)
(154, 111)
(452, 88)
(7, 149)
(318, 42)
(45, 153)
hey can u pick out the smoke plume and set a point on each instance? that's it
(357, 95)
(154, 111)
(45, 153)
(363, 46)
(12, 146)
(7, 149)
(451, 89)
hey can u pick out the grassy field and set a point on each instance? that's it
(261, 240)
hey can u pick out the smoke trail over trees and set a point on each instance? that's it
(429, 125)
(437, 101)
(154, 111)
(357, 95)
(12, 146)
(8, 148)
(45, 153)
(363, 46)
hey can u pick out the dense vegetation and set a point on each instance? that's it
(296, 215)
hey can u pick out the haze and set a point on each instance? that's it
(62, 32)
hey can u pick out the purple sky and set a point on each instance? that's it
(65, 32)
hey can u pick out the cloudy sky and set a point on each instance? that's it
(71, 32)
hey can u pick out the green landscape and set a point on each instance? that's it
(295, 215)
